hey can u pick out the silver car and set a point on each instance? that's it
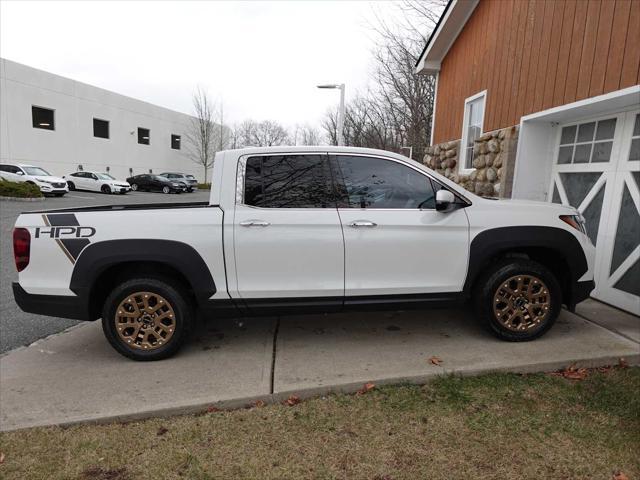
(188, 180)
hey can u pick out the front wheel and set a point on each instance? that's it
(146, 319)
(134, 186)
(166, 190)
(105, 189)
(518, 299)
(72, 186)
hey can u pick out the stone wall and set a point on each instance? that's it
(493, 163)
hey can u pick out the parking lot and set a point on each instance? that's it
(18, 328)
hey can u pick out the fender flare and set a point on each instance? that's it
(493, 242)
(99, 256)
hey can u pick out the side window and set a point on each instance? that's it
(368, 182)
(288, 181)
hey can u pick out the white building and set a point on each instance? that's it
(61, 124)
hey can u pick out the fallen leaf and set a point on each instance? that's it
(212, 409)
(258, 404)
(435, 360)
(619, 475)
(574, 373)
(622, 363)
(292, 400)
(1, 458)
(367, 387)
(161, 431)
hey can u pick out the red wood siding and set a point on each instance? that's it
(531, 55)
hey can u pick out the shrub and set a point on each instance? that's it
(19, 189)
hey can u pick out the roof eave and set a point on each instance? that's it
(453, 19)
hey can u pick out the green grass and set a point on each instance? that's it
(19, 189)
(204, 186)
(498, 426)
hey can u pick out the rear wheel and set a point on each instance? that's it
(105, 189)
(134, 186)
(518, 299)
(146, 319)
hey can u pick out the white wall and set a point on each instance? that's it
(72, 142)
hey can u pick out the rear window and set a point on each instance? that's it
(288, 181)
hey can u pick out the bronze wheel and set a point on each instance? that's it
(145, 321)
(521, 302)
(517, 299)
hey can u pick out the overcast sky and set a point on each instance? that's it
(263, 59)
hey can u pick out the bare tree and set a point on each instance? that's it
(397, 109)
(267, 133)
(306, 135)
(201, 136)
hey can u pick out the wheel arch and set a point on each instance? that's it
(102, 265)
(555, 248)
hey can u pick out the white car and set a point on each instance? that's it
(38, 176)
(96, 182)
(301, 230)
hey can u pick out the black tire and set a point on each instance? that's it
(489, 291)
(134, 187)
(166, 189)
(105, 189)
(72, 186)
(175, 299)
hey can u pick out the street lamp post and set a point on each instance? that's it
(341, 113)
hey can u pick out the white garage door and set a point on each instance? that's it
(597, 170)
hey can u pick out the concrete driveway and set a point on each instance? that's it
(76, 376)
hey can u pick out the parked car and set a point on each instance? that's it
(96, 182)
(291, 230)
(189, 180)
(155, 183)
(38, 176)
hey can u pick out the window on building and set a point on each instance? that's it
(175, 142)
(472, 127)
(100, 128)
(366, 182)
(144, 136)
(42, 118)
(288, 181)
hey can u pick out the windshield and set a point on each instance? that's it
(36, 171)
(105, 176)
(191, 177)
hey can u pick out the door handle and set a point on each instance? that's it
(363, 223)
(254, 223)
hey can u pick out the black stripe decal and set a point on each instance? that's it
(70, 246)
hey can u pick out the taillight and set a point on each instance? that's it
(21, 247)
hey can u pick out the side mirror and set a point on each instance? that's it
(19, 172)
(444, 200)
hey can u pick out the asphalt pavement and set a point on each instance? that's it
(18, 328)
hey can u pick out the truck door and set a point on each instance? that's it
(288, 240)
(395, 241)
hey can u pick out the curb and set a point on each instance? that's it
(21, 199)
(318, 391)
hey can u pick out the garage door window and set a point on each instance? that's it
(589, 142)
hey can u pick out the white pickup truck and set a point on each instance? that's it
(303, 229)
